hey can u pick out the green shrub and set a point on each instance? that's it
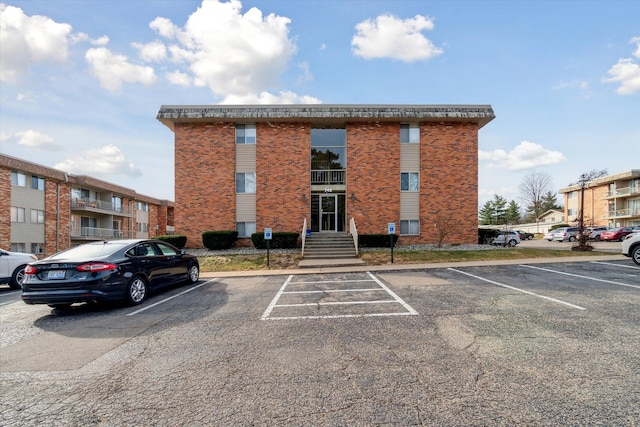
(216, 240)
(176, 240)
(376, 240)
(280, 240)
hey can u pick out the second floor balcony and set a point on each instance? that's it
(95, 233)
(100, 206)
(328, 176)
(623, 192)
(622, 213)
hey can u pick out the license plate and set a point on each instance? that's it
(55, 274)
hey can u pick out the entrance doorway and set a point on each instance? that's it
(327, 212)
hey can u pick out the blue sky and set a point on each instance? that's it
(82, 81)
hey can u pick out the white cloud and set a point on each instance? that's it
(626, 72)
(231, 53)
(390, 37)
(179, 78)
(27, 40)
(37, 140)
(306, 76)
(113, 70)
(636, 40)
(152, 52)
(285, 97)
(526, 155)
(103, 161)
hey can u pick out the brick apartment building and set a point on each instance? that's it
(45, 210)
(247, 168)
(612, 200)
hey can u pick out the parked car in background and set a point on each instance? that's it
(104, 271)
(548, 235)
(563, 234)
(616, 234)
(507, 238)
(524, 235)
(631, 247)
(12, 265)
(595, 233)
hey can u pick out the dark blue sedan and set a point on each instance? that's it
(106, 271)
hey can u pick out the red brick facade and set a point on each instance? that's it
(206, 158)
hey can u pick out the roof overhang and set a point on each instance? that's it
(326, 114)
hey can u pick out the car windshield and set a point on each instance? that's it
(91, 250)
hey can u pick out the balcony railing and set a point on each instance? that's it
(329, 176)
(621, 212)
(94, 233)
(93, 205)
(624, 191)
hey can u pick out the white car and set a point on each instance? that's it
(504, 238)
(631, 247)
(12, 266)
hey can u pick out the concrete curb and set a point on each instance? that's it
(407, 267)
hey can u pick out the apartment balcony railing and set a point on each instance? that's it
(329, 177)
(623, 192)
(94, 233)
(617, 213)
(101, 206)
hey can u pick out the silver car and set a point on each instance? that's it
(12, 266)
(563, 234)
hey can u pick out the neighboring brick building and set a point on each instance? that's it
(45, 210)
(612, 200)
(247, 168)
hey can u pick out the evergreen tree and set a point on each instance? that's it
(512, 214)
(549, 202)
(487, 213)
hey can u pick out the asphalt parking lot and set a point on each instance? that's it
(552, 343)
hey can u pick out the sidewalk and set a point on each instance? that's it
(406, 267)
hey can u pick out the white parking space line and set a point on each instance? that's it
(595, 279)
(633, 267)
(133, 313)
(518, 289)
(282, 291)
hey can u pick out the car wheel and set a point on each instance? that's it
(635, 254)
(622, 238)
(572, 238)
(530, 238)
(17, 278)
(194, 274)
(597, 238)
(512, 242)
(137, 290)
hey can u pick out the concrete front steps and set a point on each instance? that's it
(329, 249)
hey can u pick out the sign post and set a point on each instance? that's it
(391, 229)
(268, 234)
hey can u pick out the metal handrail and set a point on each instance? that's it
(101, 233)
(328, 176)
(353, 230)
(304, 234)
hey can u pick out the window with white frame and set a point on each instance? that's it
(143, 227)
(37, 248)
(409, 227)
(409, 181)
(18, 247)
(17, 214)
(245, 229)
(245, 182)
(37, 216)
(37, 183)
(18, 179)
(409, 133)
(572, 212)
(142, 206)
(245, 134)
(572, 195)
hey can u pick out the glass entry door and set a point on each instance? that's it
(328, 212)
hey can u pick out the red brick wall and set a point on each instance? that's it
(57, 213)
(204, 179)
(282, 176)
(449, 181)
(373, 175)
(5, 208)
